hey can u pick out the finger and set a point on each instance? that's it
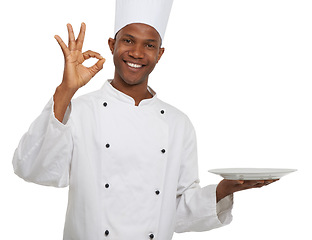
(253, 184)
(71, 38)
(267, 182)
(91, 54)
(250, 182)
(81, 36)
(257, 182)
(260, 182)
(97, 67)
(240, 181)
(63, 46)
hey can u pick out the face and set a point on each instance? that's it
(136, 50)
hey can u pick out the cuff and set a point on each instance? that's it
(224, 208)
(66, 115)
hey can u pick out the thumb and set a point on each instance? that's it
(97, 67)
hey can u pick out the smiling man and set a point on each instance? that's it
(136, 50)
(129, 159)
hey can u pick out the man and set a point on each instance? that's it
(129, 159)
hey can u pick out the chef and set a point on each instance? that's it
(129, 159)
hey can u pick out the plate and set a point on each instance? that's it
(252, 173)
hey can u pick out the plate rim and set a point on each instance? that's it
(252, 175)
(281, 170)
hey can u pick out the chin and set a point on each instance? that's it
(134, 81)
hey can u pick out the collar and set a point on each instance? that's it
(120, 96)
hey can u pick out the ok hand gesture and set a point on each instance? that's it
(75, 74)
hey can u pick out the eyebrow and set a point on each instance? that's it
(128, 35)
(148, 40)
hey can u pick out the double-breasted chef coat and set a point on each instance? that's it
(132, 170)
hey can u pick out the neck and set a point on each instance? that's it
(137, 91)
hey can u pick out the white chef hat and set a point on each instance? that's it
(151, 12)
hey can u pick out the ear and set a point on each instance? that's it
(111, 44)
(161, 52)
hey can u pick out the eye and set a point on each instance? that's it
(149, 45)
(127, 40)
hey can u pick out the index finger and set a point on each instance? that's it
(63, 46)
(71, 38)
(81, 36)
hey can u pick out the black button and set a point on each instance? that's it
(151, 236)
(157, 192)
(106, 233)
(163, 150)
(105, 104)
(107, 185)
(107, 145)
(162, 111)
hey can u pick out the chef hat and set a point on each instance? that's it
(151, 12)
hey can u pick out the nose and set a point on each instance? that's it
(136, 52)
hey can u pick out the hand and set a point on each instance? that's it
(75, 74)
(227, 187)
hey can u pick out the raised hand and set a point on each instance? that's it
(227, 187)
(75, 74)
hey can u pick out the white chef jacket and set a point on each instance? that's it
(132, 171)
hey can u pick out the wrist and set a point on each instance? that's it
(62, 98)
(222, 190)
(66, 91)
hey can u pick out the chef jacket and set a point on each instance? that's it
(132, 171)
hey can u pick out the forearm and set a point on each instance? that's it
(197, 210)
(62, 98)
(44, 153)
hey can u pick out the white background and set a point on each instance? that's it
(240, 69)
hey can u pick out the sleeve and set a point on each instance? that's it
(197, 209)
(44, 153)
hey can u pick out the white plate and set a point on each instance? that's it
(252, 173)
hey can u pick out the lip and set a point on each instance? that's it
(134, 62)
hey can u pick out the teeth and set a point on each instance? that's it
(134, 65)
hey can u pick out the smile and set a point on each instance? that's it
(134, 65)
